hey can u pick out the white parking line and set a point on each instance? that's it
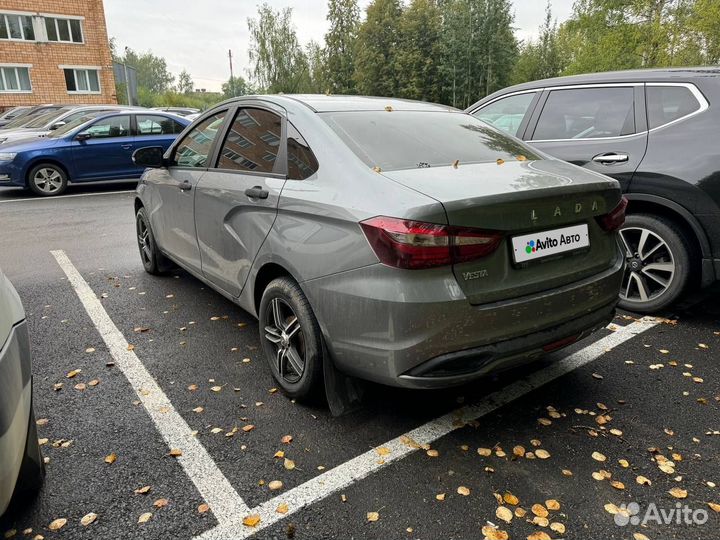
(226, 504)
(368, 463)
(38, 199)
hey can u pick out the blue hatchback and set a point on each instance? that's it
(96, 146)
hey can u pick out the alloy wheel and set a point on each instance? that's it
(143, 235)
(283, 331)
(650, 268)
(48, 180)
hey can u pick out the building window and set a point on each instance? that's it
(18, 27)
(82, 81)
(15, 79)
(64, 30)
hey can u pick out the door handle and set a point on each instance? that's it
(257, 192)
(185, 186)
(126, 146)
(611, 158)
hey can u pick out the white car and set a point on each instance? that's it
(46, 123)
(21, 465)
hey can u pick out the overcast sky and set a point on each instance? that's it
(196, 35)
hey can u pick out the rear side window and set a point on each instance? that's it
(666, 104)
(507, 113)
(193, 150)
(587, 113)
(414, 139)
(253, 142)
(150, 124)
(301, 160)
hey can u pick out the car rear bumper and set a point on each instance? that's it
(15, 406)
(417, 329)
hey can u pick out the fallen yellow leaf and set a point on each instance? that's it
(539, 510)
(57, 524)
(282, 508)
(144, 518)
(678, 493)
(87, 519)
(161, 503)
(289, 464)
(504, 513)
(462, 490)
(252, 520)
(111, 458)
(552, 504)
(373, 516)
(203, 508)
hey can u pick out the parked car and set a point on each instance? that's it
(182, 111)
(96, 146)
(11, 113)
(412, 243)
(27, 115)
(656, 132)
(21, 464)
(43, 124)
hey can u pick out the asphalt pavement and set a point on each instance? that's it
(157, 414)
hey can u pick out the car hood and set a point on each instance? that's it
(28, 144)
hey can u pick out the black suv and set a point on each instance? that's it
(658, 133)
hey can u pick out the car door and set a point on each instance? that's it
(155, 130)
(600, 127)
(236, 203)
(107, 152)
(173, 220)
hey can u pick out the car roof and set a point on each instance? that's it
(339, 103)
(626, 76)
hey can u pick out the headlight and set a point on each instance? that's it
(7, 156)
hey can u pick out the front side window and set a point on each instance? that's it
(666, 104)
(151, 124)
(587, 113)
(194, 149)
(82, 81)
(115, 126)
(64, 30)
(15, 79)
(16, 27)
(253, 142)
(506, 113)
(301, 160)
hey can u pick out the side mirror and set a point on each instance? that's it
(149, 156)
(57, 125)
(83, 136)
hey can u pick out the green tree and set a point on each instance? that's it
(706, 25)
(418, 51)
(340, 40)
(185, 83)
(540, 59)
(235, 86)
(376, 48)
(152, 71)
(478, 49)
(278, 63)
(316, 80)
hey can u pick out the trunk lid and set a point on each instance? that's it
(526, 199)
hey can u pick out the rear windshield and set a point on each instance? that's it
(413, 139)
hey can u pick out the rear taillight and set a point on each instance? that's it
(415, 244)
(614, 220)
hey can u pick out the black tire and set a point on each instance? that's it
(678, 251)
(153, 261)
(47, 180)
(307, 340)
(32, 471)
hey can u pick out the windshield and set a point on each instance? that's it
(64, 130)
(413, 139)
(20, 121)
(44, 119)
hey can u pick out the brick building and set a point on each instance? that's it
(54, 51)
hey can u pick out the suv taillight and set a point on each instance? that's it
(415, 244)
(615, 219)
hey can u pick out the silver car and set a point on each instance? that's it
(407, 243)
(21, 465)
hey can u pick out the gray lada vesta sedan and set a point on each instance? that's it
(412, 243)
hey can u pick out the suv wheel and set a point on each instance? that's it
(658, 263)
(32, 470)
(291, 339)
(153, 261)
